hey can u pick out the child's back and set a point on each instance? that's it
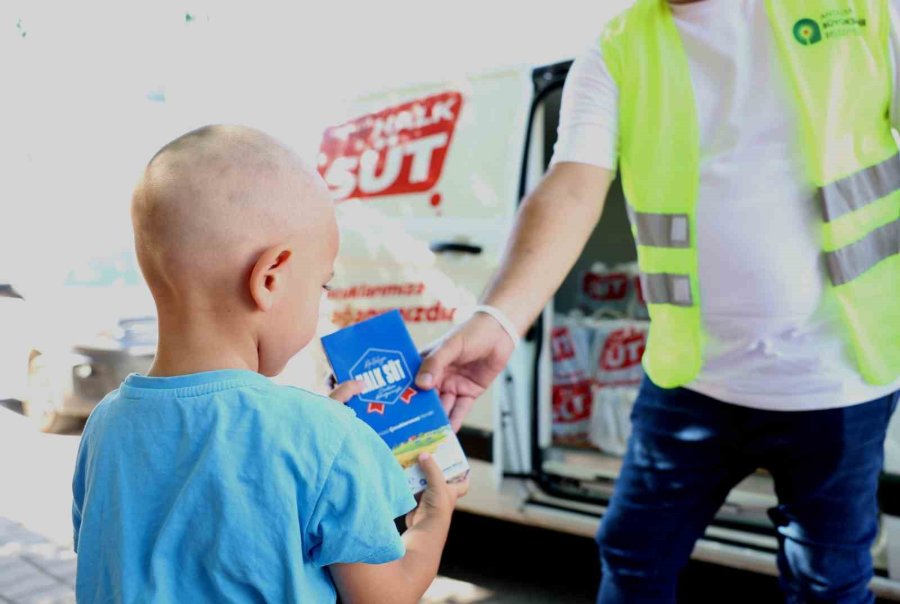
(206, 482)
(224, 483)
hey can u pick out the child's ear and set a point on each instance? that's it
(267, 274)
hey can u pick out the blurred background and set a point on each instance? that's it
(92, 90)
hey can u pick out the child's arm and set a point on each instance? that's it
(406, 579)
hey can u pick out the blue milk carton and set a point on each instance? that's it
(381, 353)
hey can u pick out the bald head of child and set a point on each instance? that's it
(236, 238)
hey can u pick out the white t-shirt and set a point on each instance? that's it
(776, 339)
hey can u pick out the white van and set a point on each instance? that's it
(427, 180)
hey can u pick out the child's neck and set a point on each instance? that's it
(200, 343)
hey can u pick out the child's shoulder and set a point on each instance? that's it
(98, 414)
(304, 411)
(294, 400)
(313, 430)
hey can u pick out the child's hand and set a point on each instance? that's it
(439, 497)
(404, 581)
(344, 392)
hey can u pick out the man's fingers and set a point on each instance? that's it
(347, 390)
(448, 399)
(434, 366)
(460, 410)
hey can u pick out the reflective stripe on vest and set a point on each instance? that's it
(853, 260)
(666, 288)
(860, 189)
(660, 230)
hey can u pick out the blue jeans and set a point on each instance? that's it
(685, 454)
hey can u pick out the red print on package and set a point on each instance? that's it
(604, 287)
(572, 403)
(623, 349)
(562, 345)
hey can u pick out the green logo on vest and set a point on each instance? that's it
(807, 32)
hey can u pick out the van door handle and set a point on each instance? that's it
(441, 247)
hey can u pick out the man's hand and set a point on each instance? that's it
(464, 364)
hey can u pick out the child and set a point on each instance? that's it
(202, 481)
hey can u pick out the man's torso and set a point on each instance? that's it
(775, 338)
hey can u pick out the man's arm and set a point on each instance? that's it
(551, 229)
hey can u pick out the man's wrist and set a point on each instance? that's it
(502, 319)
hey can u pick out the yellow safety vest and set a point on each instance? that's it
(836, 56)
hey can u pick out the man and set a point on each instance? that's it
(763, 183)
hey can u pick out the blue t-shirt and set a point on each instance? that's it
(224, 487)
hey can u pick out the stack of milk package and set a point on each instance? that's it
(612, 292)
(597, 351)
